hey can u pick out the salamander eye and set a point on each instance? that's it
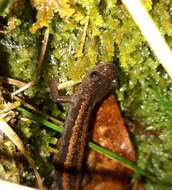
(94, 75)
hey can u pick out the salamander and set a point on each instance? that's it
(93, 88)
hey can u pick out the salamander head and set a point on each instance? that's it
(98, 82)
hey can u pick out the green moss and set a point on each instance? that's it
(22, 48)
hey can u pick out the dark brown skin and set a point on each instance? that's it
(94, 87)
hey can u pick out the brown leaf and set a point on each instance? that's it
(109, 131)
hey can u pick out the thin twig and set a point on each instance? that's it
(67, 84)
(80, 51)
(42, 55)
(11, 81)
(30, 107)
(28, 85)
(84, 35)
(39, 65)
(3, 32)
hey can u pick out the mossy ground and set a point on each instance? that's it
(82, 34)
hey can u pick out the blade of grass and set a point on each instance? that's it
(36, 111)
(111, 155)
(129, 164)
(40, 119)
(115, 156)
(151, 33)
(10, 133)
(95, 147)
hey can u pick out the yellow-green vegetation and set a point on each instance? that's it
(84, 33)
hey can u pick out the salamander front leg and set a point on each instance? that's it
(55, 94)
